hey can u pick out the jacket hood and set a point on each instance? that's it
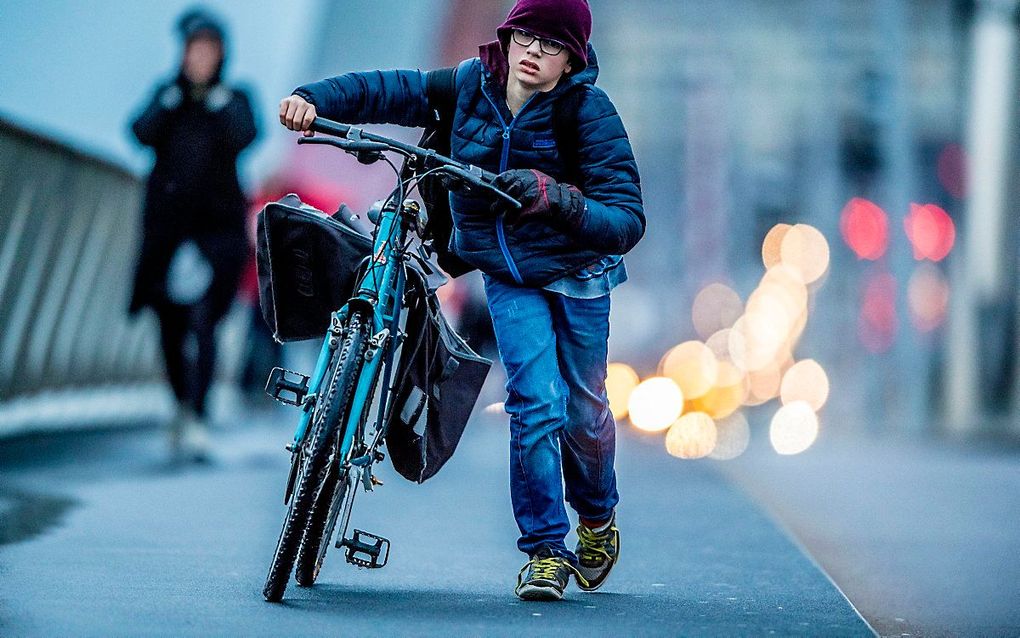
(496, 67)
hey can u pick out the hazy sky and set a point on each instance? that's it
(79, 71)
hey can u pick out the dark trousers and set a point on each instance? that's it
(188, 336)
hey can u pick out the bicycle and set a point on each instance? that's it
(336, 443)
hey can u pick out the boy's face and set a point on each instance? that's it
(533, 67)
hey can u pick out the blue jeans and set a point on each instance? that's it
(554, 349)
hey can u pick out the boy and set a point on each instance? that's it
(548, 268)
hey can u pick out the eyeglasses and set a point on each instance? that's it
(548, 47)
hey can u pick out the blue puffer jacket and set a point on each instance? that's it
(487, 135)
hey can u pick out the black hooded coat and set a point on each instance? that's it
(193, 191)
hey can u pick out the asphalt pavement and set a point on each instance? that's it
(102, 536)
(921, 534)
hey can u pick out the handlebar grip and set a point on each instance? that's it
(329, 127)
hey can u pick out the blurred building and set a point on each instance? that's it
(747, 114)
(750, 113)
(743, 114)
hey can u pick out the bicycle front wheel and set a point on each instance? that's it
(314, 477)
(333, 503)
(323, 514)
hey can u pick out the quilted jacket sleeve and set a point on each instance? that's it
(611, 185)
(376, 97)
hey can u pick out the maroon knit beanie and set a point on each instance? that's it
(568, 21)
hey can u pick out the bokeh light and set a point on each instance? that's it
(928, 297)
(655, 404)
(805, 381)
(931, 231)
(729, 345)
(716, 307)
(747, 354)
(692, 366)
(771, 246)
(763, 385)
(620, 383)
(735, 346)
(796, 331)
(865, 228)
(878, 319)
(726, 397)
(794, 428)
(732, 437)
(805, 250)
(693, 436)
(784, 283)
(766, 327)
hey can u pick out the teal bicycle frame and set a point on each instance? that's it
(380, 306)
(380, 290)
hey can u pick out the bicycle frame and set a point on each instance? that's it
(380, 290)
(323, 458)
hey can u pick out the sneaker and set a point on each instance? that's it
(195, 440)
(544, 577)
(597, 552)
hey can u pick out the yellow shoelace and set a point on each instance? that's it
(593, 544)
(545, 567)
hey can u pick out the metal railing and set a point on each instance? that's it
(69, 235)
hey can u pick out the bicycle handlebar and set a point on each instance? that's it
(358, 140)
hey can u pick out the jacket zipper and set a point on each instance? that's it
(503, 161)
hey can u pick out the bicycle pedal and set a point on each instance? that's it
(372, 554)
(285, 389)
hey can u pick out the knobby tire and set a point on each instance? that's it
(325, 426)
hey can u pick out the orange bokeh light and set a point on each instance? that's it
(692, 366)
(805, 250)
(693, 436)
(655, 404)
(772, 244)
(620, 382)
(763, 385)
(725, 397)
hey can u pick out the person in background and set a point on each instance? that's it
(194, 244)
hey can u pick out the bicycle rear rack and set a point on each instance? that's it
(372, 554)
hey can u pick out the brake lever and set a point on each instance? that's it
(516, 205)
(473, 178)
(366, 152)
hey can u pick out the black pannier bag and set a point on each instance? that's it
(308, 264)
(438, 382)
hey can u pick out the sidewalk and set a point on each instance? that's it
(922, 536)
(147, 549)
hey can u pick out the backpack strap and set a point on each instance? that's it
(441, 92)
(442, 88)
(566, 126)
